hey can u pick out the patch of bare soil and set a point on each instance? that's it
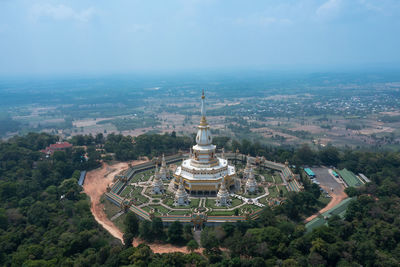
(95, 186)
(164, 248)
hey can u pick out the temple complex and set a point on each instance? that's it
(203, 173)
(205, 188)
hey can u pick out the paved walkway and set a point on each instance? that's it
(113, 218)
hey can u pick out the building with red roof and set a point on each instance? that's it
(56, 147)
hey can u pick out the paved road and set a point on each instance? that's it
(325, 178)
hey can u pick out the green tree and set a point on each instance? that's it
(145, 231)
(131, 224)
(175, 232)
(192, 245)
(329, 155)
(157, 228)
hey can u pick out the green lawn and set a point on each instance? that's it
(157, 208)
(137, 195)
(126, 190)
(283, 188)
(263, 200)
(273, 192)
(119, 222)
(169, 202)
(251, 207)
(142, 176)
(222, 213)
(179, 212)
(194, 202)
(110, 208)
(278, 179)
(269, 178)
(260, 192)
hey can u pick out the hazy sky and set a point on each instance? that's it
(103, 36)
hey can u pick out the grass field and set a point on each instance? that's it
(179, 212)
(157, 209)
(278, 179)
(142, 176)
(268, 178)
(250, 207)
(260, 192)
(222, 213)
(137, 195)
(273, 192)
(110, 208)
(283, 188)
(263, 200)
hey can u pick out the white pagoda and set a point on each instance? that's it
(248, 169)
(251, 183)
(203, 172)
(223, 198)
(158, 186)
(181, 196)
(163, 170)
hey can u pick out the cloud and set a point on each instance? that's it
(329, 9)
(62, 12)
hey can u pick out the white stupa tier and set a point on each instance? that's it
(251, 183)
(158, 186)
(202, 173)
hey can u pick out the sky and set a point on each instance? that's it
(122, 36)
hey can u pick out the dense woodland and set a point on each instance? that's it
(45, 219)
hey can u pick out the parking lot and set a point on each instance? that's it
(327, 182)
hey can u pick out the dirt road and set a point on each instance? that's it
(95, 186)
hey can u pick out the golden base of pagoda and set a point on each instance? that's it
(203, 186)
